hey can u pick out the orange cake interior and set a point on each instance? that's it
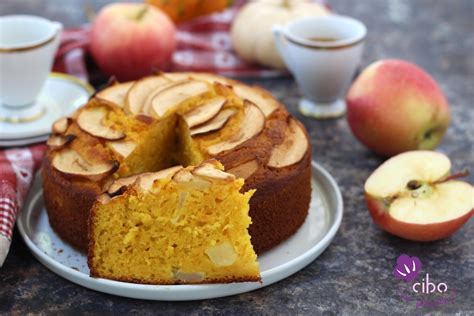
(178, 225)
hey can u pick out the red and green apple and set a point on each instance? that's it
(131, 40)
(395, 106)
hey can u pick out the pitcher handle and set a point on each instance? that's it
(281, 44)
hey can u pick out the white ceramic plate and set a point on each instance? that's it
(61, 95)
(314, 236)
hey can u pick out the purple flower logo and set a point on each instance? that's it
(407, 268)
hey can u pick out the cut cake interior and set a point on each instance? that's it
(178, 225)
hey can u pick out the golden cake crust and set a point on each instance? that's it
(68, 204)
(167, 282)
(280, 205)
(278, 208)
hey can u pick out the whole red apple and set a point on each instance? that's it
(412, 195)
(130, 40)
(394, 106)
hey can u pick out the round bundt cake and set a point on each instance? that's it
(180, 118)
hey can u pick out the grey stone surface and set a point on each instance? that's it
(353, 276)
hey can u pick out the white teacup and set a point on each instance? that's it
(323, 54)
(27, 48)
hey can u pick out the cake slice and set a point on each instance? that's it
(176, 226)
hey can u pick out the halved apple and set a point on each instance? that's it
(251, 125)
(204, 112)
(58, 141)
(294, 146)
(61, 125)
(215, 124)
(123, 148)
(267, 104)
(244, 170)
(115, 93)
(70, 163)
(169, 98)
(412, 196)
(91, 120)
(141, 90)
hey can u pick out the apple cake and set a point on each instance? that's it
(180, 119)
(177, 225)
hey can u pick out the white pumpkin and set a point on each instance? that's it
(251, 31)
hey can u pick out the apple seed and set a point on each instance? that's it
(413, 184)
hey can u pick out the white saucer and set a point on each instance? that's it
(321, 110)
(60, 96)
(313, 237)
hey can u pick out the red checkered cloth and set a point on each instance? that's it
(203, 45)
(17, 168)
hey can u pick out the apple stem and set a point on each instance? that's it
(141, 13)
(458, 175)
